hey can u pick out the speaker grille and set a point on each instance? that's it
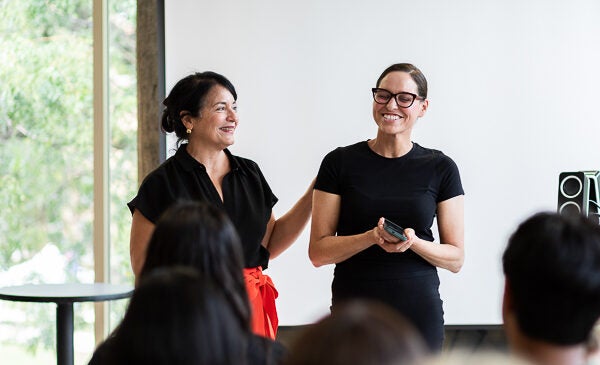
(578, 193)
(571, 186)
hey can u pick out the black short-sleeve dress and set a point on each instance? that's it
(405, 190)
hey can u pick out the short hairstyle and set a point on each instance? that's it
(189, 95)
(359, 332)
(175, 316)
(552, 264)
(200, 235)
(414, 73)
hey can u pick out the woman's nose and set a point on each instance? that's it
(393, 105)
(232, 114)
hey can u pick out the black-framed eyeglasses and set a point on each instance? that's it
(403, 99)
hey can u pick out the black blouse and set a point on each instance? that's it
(247, 197)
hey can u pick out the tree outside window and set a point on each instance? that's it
(46, 160)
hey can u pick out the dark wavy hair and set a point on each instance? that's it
(175, 316)
(200, 235)
(552, 264)
(189, 95)
(414, 73)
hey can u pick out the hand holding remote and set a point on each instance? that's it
(394, 229)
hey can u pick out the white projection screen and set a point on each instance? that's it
(514, 89)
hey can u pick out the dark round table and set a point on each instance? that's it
(64, 295)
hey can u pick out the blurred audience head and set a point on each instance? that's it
(359, 333)
(176, 316)
(552, 288)
(201, 236)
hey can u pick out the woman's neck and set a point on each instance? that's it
(212, 159)
(543, 353)
(390, 147)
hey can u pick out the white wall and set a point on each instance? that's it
(514, 90)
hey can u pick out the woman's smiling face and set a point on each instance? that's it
(391, 118)
(218, 118)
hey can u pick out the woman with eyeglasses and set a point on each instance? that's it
(201, 110)
(392, 178)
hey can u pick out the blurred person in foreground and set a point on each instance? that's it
(201, 236)
(361, 332)
(175, 316)
(552, 290)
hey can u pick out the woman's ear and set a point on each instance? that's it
(509, 317)
(183, 114)
(424, 106)
(507, 301)
(186, 119)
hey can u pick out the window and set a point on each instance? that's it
(47, 162)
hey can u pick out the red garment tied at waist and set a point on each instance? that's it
(262, 294)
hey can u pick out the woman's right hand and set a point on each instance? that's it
(391, 243)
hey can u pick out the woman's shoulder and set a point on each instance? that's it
(175, 164)
(358, 147)
(431, 153)
(355, 147)
(161, 173)
(426, 151)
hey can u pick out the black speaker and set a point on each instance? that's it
(578, 193)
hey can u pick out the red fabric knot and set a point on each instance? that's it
(262, 294)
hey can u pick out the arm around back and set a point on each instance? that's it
(281, 233)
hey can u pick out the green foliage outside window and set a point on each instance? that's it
(46, 142)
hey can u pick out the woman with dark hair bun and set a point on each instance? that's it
(201, 110)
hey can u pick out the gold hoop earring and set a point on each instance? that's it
(188, 131)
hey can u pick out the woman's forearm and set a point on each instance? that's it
(288, 227)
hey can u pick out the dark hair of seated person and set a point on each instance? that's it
(552, 269)
(200, 235)
(360, 332)
(175, 316)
